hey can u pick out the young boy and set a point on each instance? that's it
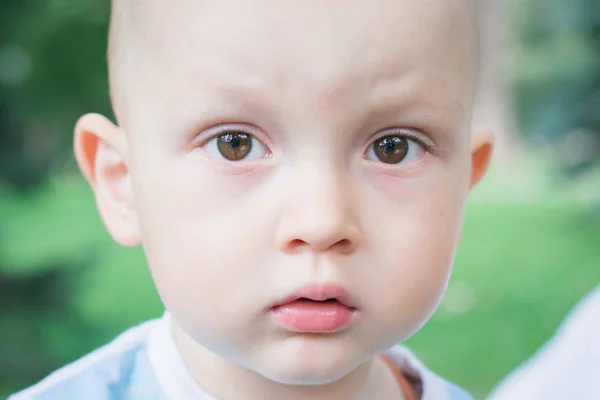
(296, 172)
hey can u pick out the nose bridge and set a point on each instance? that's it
(319, 211)
(324, 192)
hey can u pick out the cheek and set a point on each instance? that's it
(199, 244)
(414, 237)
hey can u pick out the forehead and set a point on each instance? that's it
(321, 49)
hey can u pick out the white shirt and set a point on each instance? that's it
(144, 363)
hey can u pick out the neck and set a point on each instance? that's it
(215, 375)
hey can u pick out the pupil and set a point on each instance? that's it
(391, 149)
(235, 142)
(235, 146)
(389, 146)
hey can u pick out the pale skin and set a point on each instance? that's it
(313, 85)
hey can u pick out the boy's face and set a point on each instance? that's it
(274, 144)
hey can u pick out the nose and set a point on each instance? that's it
(318, 215)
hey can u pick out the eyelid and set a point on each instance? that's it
(215, 131)
(411, 134)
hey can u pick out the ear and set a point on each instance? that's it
(482, 145)
(101, 151)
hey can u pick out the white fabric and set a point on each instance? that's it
(567, 367)
(123, 343)
(144, 363)
(169, 369)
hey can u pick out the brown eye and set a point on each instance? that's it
(391, 149)
(395, 149)
(236, 146)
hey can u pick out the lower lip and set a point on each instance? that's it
(313, 316)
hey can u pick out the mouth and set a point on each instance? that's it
(329, 293)
(315, 309)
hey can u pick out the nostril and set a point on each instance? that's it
(342, 246)
(296, 243)
(344, 243)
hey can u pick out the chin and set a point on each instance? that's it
(299, 375)
(301, 363)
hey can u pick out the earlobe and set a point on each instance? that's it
(101, 151)
(481, 155)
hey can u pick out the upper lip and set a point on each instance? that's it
(320, 292)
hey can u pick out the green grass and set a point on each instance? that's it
(521, 267)
(529, 253)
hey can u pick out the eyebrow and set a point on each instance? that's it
(444, 110)
(442, 106)
(451, 106)
(238, 99)
(428, 109)
(438, 114)
(397, 91)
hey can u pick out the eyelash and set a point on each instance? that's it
(428, 147)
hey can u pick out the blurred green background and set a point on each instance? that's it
(531, 246)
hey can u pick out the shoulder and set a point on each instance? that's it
(434, 387)
(110, 372)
